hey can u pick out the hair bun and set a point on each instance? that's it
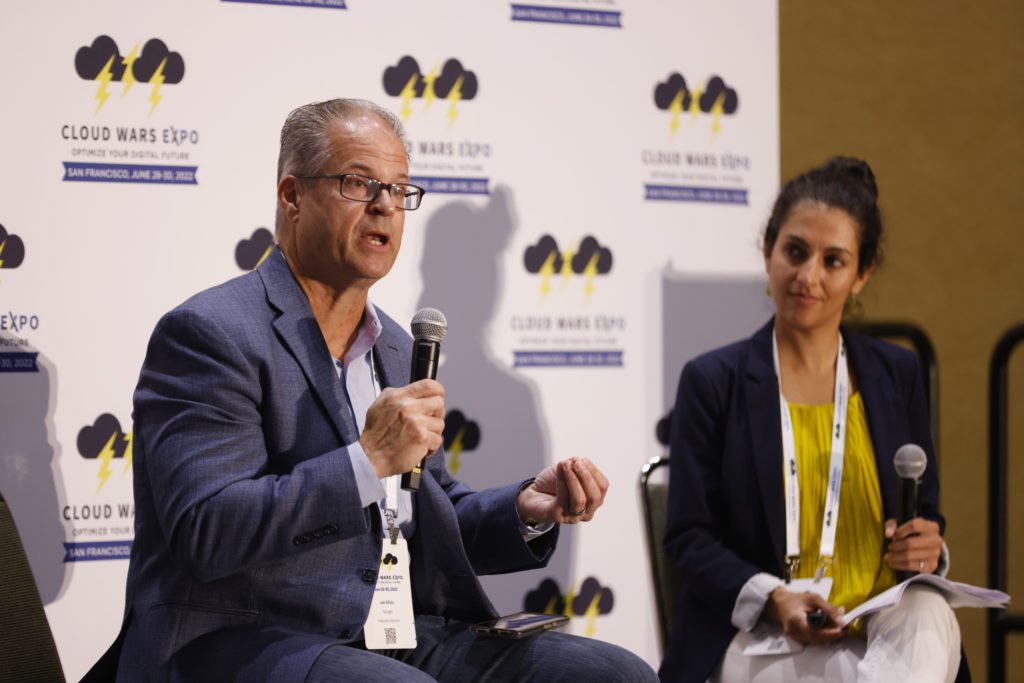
(855, 169)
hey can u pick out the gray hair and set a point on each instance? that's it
(305, 143)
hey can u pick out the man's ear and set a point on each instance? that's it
(288, 197)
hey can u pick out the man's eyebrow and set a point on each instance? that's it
(367, 171)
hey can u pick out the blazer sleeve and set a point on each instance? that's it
(199, 428)
(698, 518)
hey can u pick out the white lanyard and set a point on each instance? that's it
(391, 506)
(835, 468)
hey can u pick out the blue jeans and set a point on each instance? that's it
(448, 651)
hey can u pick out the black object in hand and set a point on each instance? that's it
(817, 619)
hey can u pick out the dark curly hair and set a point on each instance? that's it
(841, 183)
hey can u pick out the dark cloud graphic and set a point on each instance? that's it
(249, 252)
(455, 421)
(153, 53)
(12, 249)
(397, 76)
(90, 60)
(389, 559)
(590, 589)
(663, 428)
(588, 247)
(92, 440)
(534, 257)
(665, 92)
(446, 81)
(715, 87)
(545, 598)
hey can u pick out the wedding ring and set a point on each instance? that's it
(920, 565)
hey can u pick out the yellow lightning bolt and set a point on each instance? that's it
(428, 88)
(128, 452)
(694, 105)
(589, 272)
(156, 81)
(569, 595)
(265, 255)
(550, 607)
(546, 271)
(675, 108)
(105, 457)
(104, 79)
(591, 613)
(408, 92)
(716, 113)
(2, 252)
(566, 266)
(456, 450)
(455, 95)
(129, 77)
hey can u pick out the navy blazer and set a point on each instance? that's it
(252, 550)
(726, 517)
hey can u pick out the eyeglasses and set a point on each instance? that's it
(360, 188)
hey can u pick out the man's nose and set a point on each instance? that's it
(383, 203)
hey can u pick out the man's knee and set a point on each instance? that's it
(585, 659)
(343, 663)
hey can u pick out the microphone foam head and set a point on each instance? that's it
(429, 323)
(910, 461)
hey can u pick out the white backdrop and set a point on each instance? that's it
(576, 151)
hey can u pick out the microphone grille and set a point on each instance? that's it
(429, 323)
(910, 461)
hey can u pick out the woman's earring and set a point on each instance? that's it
(854, 306)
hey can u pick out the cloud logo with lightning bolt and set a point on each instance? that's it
(591, 600)
(155, 65)
(104, 441)
(451, 82)
(12, 249)
(250, 253)
(715, 98)
(589, 259)
(460, 435)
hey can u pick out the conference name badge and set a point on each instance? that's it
(390, 624)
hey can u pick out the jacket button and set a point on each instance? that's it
(297, 540)
(369, 576)
(347, 633)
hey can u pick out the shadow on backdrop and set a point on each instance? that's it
(494, 433)
(29, 478)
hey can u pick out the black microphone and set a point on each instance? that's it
(910, 463)
(428, 329)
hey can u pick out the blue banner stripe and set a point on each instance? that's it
(442, 185)
(683, 193)
(18, 361)
(95, 172)
(323, 4)
(568, 359)
(98, 550)
(566, 15)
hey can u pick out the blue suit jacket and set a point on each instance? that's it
(252, 551)
(726, 519)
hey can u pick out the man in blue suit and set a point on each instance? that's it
(271, 424)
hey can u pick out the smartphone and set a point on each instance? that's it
(520, 624)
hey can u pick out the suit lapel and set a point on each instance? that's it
(881, 407)
(300, 334)
(762, 389)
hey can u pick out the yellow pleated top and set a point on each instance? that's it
(858, 571)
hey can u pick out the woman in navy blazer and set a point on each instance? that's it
(727, 521)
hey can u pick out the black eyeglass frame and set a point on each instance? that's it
(381, 186)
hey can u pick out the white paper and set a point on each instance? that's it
(390, 624)
(956, 594)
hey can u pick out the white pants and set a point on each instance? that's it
(917, 640)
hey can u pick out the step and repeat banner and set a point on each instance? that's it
(584, 160)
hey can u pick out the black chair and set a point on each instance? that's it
(27, 650)
(654, 498)
(1000, 623)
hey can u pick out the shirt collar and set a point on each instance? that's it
(369, 331)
